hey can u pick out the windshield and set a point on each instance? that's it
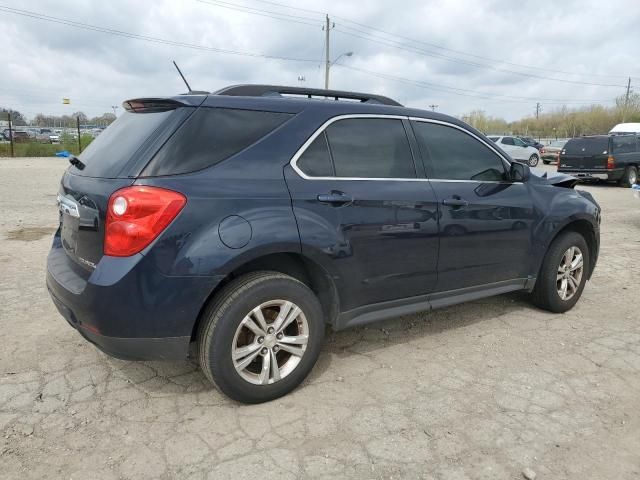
(587, 146)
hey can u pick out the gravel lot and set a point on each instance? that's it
(483, 390)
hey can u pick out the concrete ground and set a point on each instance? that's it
(486, 390)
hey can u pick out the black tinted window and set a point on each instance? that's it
(370, 148)
(211, 135)
(624, 145)
(587, 146)
(508, 141)
(316, 161)
(107, 155)
(455, 155)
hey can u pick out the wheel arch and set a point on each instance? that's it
(585, 228)
(293, 264)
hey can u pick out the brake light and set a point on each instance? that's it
(136, 216)
(542, 150)
(611, 162)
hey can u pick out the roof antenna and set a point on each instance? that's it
(183, 79)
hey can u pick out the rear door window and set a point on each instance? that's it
(210, 136)
(316, 159)
(370, 148)
(587, 146)
(508, 141)
(111, 151)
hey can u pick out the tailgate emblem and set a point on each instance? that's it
(68, 206)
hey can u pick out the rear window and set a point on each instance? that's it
(626, 144)
(210, 136)
(107, 155)
(587, 146)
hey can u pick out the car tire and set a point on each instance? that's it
(533, 160)
(630, 177)
(546, 162)
(547, 291)
(223, 334)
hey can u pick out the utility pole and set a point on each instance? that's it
(433, 107)
(327, 65)
(538, 108)
(115, 107)
(10, 132)
(626, 101)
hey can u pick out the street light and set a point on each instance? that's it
(330, 64)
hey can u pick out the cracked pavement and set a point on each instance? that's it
(483, 390)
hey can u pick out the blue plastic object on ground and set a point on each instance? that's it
(63, 153)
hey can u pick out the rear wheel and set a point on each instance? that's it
(533, 160)
(630, 177)
(546, 162)
(563, 273)
(260, 336)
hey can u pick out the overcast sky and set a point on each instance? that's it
(485, 55)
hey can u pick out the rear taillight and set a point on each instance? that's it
(136, 216)
(611, 162)
(542, 150)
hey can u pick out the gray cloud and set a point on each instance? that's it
(44, 62)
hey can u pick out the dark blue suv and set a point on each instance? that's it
(235, 226)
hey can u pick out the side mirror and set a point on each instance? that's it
(519, 172)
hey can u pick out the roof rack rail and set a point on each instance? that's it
(250, 90)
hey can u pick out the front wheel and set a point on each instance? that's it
(563, 274)
(260, 336)
(533, 160)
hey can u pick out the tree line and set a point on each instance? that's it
(563, 122)
(41, 120)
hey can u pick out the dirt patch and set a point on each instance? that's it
(30, 234)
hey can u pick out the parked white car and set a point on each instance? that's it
(517, 149)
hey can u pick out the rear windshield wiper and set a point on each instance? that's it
(76, 162)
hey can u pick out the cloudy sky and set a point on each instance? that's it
(500, 56)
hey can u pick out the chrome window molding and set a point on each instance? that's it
(294, 160)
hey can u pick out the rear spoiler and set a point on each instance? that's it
(147, 105)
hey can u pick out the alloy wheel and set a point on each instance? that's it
(570, 272)
(270, 342)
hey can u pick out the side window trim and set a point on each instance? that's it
(328, 145)
(506, 163)
(323, 127)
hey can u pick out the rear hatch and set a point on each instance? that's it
(585, 153)
(112, 161)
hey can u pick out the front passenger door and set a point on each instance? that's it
(485, 219)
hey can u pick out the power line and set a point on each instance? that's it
(146, 38)
(429, 44)
(419, 51)
(465, 92)
(263, 13)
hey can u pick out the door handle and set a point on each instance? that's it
(455, 202)
(335, 198)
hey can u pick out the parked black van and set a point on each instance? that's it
(602, 157)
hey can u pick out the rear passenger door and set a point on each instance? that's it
(364, 211)
(486, 220)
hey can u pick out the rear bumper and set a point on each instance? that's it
(167, 348)
(593, 175)
(126, 307)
